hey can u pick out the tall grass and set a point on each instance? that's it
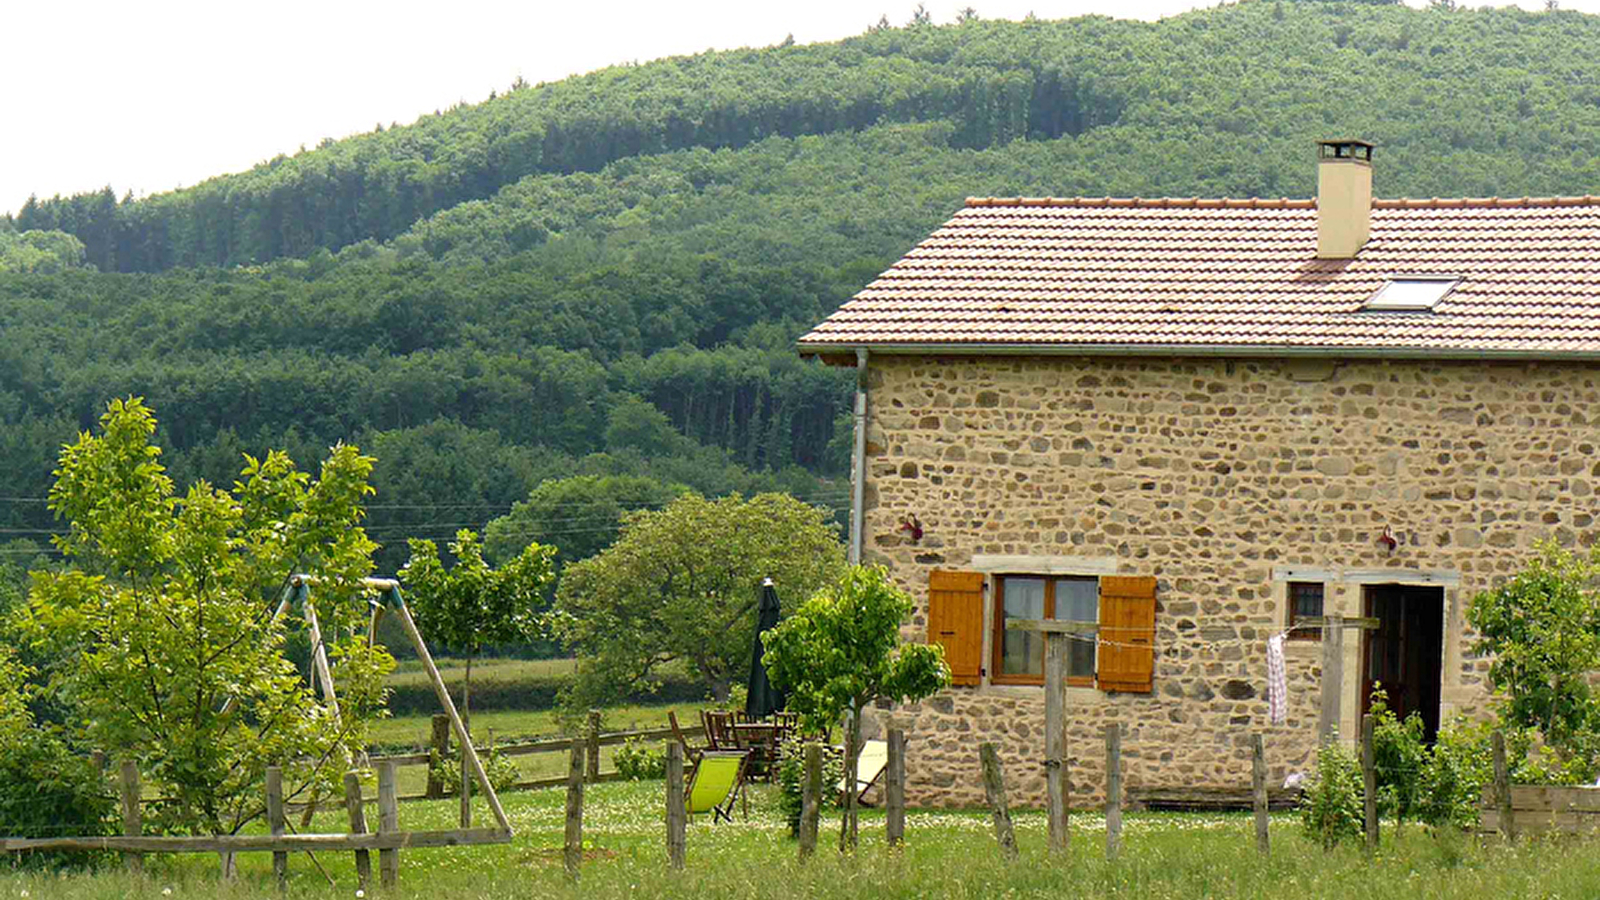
(948, 854)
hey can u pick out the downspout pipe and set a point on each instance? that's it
(858, 459)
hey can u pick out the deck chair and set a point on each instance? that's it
(870, 766)
(691, 754)
(715, 784)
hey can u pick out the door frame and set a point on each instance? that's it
(1437, 603)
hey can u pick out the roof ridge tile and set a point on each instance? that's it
(1279, 202)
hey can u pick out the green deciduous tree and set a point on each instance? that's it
(582, 515)
(470, 606)
(42, 252)
(840, 651)
(1543, 629)
(680, 585)
(161, 619)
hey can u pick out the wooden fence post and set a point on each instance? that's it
(466, 791)
(275, 823)
(441, 747)
(388, 821)
(676, 812)
(132, 825)
(358, 825)
(1055, 740)
(1113, 790)
(1502, 787)
(894, 789)
(1332, 677)
(573, 852)
(1369, 783)
(810, 800)
(1258, 791)
(594, 745)
(994, 787)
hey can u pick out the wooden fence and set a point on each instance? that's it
(1537, 809)
(388, 840)
(593, 740)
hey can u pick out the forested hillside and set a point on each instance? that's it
(604, 276)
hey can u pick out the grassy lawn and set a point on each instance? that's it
(407, 733)
(414, 732)
(410, 671)
(949, 854)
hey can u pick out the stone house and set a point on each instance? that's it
(1196, 421)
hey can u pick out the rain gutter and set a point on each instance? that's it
(858, 458)
(1260, 351)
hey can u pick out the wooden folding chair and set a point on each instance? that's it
(719, 730)
(871, 763)
(690, 753)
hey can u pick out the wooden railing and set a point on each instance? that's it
(594, 740)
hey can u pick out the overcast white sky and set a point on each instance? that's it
(150, 96)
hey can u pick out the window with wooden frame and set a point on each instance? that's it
(1018, 656)
(1304, 601)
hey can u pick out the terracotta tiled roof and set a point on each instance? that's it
(1226, 273)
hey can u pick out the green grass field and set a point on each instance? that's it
(410, 671)
(514, 725)
(408, 733)
(948, 854)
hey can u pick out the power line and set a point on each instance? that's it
(827, 493)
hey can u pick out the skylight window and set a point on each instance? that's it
(1412, 293)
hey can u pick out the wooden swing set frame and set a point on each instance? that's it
(388, 839)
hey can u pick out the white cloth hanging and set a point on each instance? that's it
(1277, 681)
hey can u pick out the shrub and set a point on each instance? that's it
(637, 761)
(1459, 765)
(45, 790)
(1400, 758)
(501, 769)
(1331, 809)
(791, 777)
(1541, 631)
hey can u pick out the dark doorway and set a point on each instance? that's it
(1406, 651)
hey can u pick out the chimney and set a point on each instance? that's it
(1344, 198)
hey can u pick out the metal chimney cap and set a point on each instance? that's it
(1345, 149)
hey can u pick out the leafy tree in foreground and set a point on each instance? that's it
(161, 619)
(681, 585)
(840, 651)
(1543, 629)
(471, 606)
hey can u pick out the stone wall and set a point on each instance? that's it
(1222, 478)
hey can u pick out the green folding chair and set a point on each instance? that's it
(715, 783)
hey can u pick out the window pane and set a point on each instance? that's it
(1078, 599)
(1307, 600)
(1022, 652)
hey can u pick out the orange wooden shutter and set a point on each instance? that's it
(1128, 623)
(955, 622)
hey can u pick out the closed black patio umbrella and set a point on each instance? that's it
(763, 699)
